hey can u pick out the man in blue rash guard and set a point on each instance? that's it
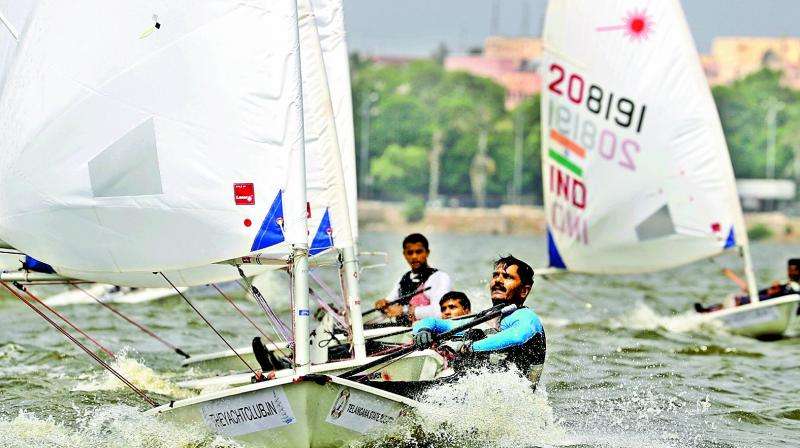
(519, 339)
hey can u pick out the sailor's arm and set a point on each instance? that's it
(521, 327)
(435, 326)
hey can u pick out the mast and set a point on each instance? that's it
(350, 261)
(331, 112)
(297, 222)
(752, 288)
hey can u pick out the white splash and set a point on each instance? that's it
(105, 427)
(485, 409)
(139, 374)
(643, 317)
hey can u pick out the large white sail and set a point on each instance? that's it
(636, 171)
(329, 16)
(152, 135)
(13, 16)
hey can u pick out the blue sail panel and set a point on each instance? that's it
(323, 238)
(270, 232)
(731, 241)
(35, 265)
(555, 258)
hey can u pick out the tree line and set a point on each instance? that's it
(427, 135)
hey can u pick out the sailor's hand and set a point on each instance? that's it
(466, 348)
(395, 310)
(381, 304)
(423, 340)
(775, 288)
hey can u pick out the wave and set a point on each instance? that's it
(135, 371)
(105, 427)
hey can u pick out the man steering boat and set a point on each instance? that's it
(515, 340)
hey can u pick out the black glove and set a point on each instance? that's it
(423, 339)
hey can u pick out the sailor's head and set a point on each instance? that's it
(454, 304)
(511, 282)
(415, 250)
(793, 269)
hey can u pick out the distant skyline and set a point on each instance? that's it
(417, 27)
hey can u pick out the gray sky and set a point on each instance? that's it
(415, 27)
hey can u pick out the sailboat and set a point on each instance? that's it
(161, 136)
(636, 172)
(329, 22)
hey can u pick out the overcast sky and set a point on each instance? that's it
(416, 27)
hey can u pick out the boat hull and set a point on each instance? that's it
(767, 319)
(317, 411)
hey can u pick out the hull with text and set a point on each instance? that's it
(310, 411)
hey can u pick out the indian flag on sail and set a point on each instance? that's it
(566, 153)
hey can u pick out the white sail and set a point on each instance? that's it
(636, 171)
(329, 16)
(328, 217)
(13, 16)
(152, 135)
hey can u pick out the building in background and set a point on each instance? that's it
(512, 62)
(733, 58)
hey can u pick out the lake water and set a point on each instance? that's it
(626, 364)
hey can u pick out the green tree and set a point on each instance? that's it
(743, 108)
(400, 171)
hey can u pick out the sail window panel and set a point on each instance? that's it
(657, 225)
(129, 166)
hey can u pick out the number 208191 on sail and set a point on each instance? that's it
(617, 109)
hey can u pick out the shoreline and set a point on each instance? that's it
(380, 216)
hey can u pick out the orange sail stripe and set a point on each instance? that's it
(567, 143)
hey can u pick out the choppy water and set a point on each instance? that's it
(626, 367)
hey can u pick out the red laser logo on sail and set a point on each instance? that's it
(637, 25)
(244, 194)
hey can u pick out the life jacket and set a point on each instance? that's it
(527, 357)
(409, 284)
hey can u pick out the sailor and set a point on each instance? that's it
(454, 304)
(777, 289)
(416, 295)
(515, 340)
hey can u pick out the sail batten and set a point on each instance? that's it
(636, 171)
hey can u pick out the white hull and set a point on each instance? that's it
(420, 365)
(310, 411)
(226, 361)
(108, 294)
(765, 319)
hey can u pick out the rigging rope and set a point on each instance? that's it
(105, 365)
(248, 319)
(277, 323)
(271, 323)
(327, 308)
(208, 323)
(343, 288)
(328, 291)
(132, 322)
(100, 346)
